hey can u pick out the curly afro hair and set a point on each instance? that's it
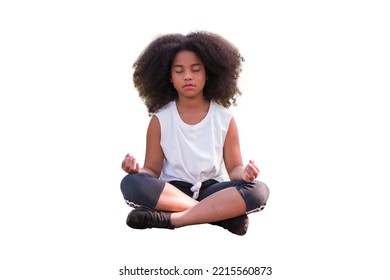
(222, 61)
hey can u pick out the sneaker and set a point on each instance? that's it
(238, 225)
(143, 217)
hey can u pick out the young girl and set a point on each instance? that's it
(188, 82)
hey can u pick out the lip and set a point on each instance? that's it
(189, 86)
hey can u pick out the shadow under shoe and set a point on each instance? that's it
(143, 217)
(238, 225)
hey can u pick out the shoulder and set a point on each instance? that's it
(220, 108)
(154, 124)
(163, 111)
(165, 107)
(165, 116)
(221, 111)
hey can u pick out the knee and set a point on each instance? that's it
(141, 189)
(129, 185)
(255, 195)
(262, 192)
(127, 182)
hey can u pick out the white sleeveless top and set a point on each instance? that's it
(193, 153)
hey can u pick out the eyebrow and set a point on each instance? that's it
(195, 64)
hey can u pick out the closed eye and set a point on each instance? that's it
(178, 69)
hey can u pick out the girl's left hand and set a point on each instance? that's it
(251, 171)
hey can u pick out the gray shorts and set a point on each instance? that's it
(143, 189)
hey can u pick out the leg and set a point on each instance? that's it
(223, 204)
(223, 201)
(144, 190)
(238, 224)
(174, 200)
(215, 207)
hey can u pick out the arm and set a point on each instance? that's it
(232, 157)
(153, 156)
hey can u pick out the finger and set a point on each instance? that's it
(128, 163)
(133, 165)
(254, 166)
(124, 163)
(249, 178)
(130, 159)
(252, 172)
(134, 168)
(133, 162)
(250, 168)
(252, 163)
(245, 177)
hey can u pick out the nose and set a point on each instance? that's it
(188, 76)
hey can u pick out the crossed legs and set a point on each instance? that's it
(221, 205)
(224, 201)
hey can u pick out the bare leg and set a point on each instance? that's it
(221, 205)
(174, 200)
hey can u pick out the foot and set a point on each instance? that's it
(143, 217)
(238, 225)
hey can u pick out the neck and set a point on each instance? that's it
(189, 104)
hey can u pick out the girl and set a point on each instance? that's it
(188, 82)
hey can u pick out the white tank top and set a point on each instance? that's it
(193, 153)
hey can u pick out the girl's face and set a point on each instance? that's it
(188, 74)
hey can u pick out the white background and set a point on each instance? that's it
(314, 115)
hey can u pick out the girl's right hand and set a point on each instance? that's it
(130, 165)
